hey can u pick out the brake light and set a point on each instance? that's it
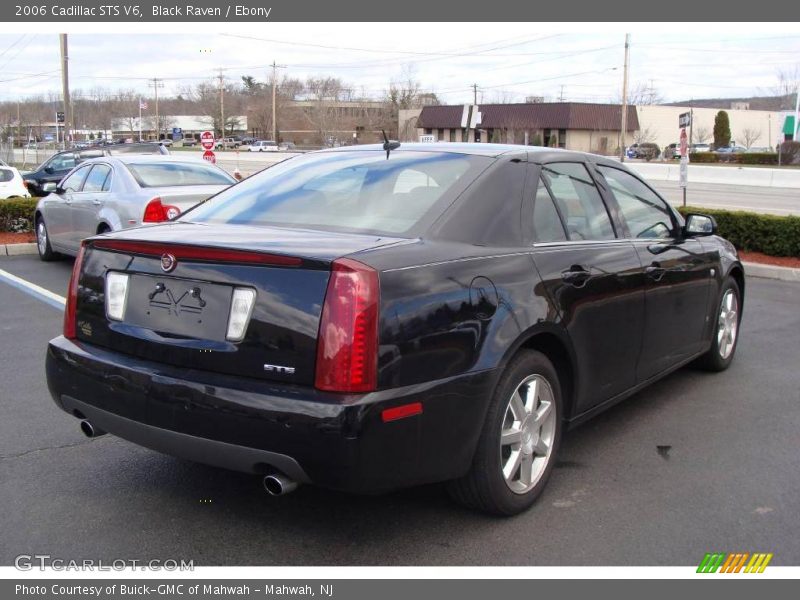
(197, 253)
(347, 349)
(156, 212)
(72, 297)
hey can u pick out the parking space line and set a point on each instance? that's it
(34, 290)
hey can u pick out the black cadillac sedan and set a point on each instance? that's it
(376, 317)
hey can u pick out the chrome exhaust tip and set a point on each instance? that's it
(278, 484)
(90, 430)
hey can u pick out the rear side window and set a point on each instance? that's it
(97, 178)
(547, 225)
(6, 175)
(578, 200)
(646, 215)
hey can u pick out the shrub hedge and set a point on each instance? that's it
(753, 232)
(17, 215)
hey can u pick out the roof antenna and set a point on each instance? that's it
(389, 145)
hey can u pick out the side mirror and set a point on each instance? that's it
(48, 170)
(49, 188)
(699, 225)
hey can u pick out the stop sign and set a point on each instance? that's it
(207, 140)
(210, 157)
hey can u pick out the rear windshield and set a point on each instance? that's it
(155, 174)
(359, 191)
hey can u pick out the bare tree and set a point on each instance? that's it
(787, 86)
(701, 134)
(750, 136)
(502, 97)
(641, 94)
(643, 136)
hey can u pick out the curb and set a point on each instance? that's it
(771, 272)
(18, 249)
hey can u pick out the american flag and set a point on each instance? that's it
(142, 105)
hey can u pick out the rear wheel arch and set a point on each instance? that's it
(558, 351)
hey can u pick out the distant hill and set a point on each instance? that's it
(756, 102)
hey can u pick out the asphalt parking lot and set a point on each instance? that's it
(696, 463)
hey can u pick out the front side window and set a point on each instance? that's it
(73, 182)
(62, 162)
(645, 213)
(351, 191)
(96, 180)
(578, 200)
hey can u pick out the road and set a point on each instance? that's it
(724, 479)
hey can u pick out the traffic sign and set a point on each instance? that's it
(60, 117)
(685, 119)
(207, 140)
(210, 157)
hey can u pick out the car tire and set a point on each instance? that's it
(725, 335)
(519, 441)
(43, 241)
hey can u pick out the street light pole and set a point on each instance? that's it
(624, 124)
(65, 85)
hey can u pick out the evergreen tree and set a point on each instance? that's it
(722, 130)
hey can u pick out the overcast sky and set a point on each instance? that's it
(511, 60)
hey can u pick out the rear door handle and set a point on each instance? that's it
(576, 276)
(655, 272)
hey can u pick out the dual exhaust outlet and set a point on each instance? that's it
(276, 484)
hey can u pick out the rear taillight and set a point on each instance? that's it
(347, 349)
(156, 212)
(72, 297)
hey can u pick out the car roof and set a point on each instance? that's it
(128, 159)
(478, 149)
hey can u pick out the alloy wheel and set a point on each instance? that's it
(727, 324)
(528, 432)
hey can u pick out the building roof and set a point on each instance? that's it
(546, 115)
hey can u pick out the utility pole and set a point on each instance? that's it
(474, 93)
(561, 96)
(222, 103)
(65, 85)
(156, 83)
(624, 123)
(275, 66)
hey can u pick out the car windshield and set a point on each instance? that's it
(358, 191)
(167, 174)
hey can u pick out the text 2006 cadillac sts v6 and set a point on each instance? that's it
(366, 320)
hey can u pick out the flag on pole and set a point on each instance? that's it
(142, 105)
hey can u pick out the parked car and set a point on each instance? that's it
(672, 151)
(226, 143)
(247, 140)
(647, 151)
(759, 150)
(367, 319)
(264, 146)
(57, 166)
(730, 150)
(117, 192)
(189, 141)
(11, 183)
(165, 142)
(700, 148)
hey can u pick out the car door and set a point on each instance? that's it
(58, 210)
(678, 272)
(87, 204)
(591, 276)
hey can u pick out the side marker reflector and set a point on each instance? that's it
(401, 412)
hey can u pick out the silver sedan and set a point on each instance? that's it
(112, 193)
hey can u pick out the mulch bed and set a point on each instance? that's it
(16, 238)
(764, 259)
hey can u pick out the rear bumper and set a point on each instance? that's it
(332, 440)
